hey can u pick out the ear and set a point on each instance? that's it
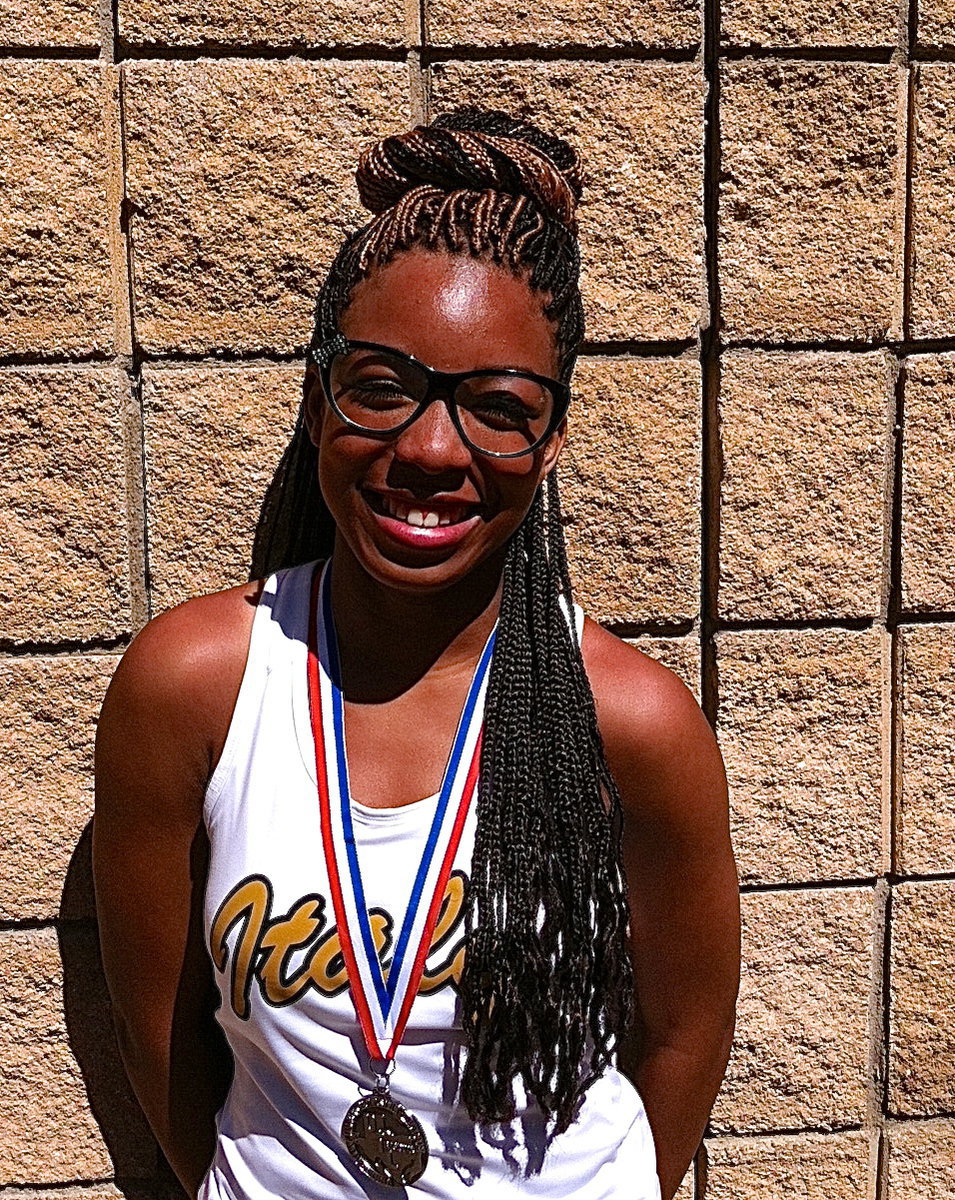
(313, 398)
(555, 444)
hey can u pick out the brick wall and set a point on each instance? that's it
(760, 478)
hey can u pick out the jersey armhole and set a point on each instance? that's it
(247, 698)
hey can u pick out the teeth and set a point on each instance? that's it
(422, 518)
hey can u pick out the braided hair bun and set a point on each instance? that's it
(475, 151)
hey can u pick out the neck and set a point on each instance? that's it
(388, 639)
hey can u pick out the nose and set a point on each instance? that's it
(432, 443)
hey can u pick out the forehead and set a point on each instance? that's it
(453, 312)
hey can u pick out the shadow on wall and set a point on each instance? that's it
(140, 1169)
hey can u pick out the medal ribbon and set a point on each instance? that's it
(383, 1004)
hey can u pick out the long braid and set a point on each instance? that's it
(547, 984)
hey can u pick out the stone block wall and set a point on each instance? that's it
(760, 479)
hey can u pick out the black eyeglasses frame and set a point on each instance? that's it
(440, 385)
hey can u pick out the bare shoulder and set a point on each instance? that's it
(175, 688)
(659, 745)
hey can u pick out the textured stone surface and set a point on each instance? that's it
(925, 831)
(49, 23)
(561, 22)
(921, 1025)
(48, 709)
(921, 1161)
(630, 478)
(240, 174)
(936, 23)
(933, 213)
(811, 200)
(808, 23)
(801, 1046)
(810, 1166)
(928, 483)
(805, 463)
(101, 1191)
(800, 725)
(54, 228)
(64, 559)
(63, 1098)
(681, 655)
(214, 437)
(260, 23)
(638, 127)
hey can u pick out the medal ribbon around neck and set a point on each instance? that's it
(383, 1004)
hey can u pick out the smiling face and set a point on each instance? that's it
(421, 510)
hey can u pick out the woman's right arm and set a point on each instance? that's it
(163, 723)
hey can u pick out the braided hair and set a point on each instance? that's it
(546, 989)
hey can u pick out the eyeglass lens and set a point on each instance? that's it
(502, 414)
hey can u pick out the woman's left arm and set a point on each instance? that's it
(683, 888)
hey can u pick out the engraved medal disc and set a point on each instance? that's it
(385, 1140)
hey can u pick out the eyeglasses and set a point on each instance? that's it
(380, 391)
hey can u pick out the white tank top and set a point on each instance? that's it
(300, 1060)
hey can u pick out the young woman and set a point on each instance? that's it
(428, 949)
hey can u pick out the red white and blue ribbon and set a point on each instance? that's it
(383, 1000)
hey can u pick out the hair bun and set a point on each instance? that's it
(474, 150)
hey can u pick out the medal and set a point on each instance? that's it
(386, 1142)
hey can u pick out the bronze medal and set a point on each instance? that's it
(385, 1140)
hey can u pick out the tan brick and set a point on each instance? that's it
(214, 437)
(921, 1161)
(936, 23)
(48, 709)
(805, 465)
(925, 831)
(258, 23)
(811, 204)
(54, 232)
(64, 1097)
(809, 1166)
(928, 483)
(801, 1046)
(800, 725)
(681, 655)
(241, 177)
(49, 23)
(667, 23)
(630, 476)
(921, 1022)
(638, 127)
(808, 23)
(64, 559)
(102, 1191)
(933, 214)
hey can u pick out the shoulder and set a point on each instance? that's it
(659, 745)
(178, 681)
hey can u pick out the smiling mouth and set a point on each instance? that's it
(421, 514)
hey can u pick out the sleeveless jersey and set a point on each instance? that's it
(286, 1011)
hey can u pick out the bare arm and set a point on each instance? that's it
(683, 893)
(161, 729)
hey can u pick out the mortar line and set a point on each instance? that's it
(908, 210)
(877, 1061)
(137, 516)
(679, 348)
(710, 452)
(710, 348)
